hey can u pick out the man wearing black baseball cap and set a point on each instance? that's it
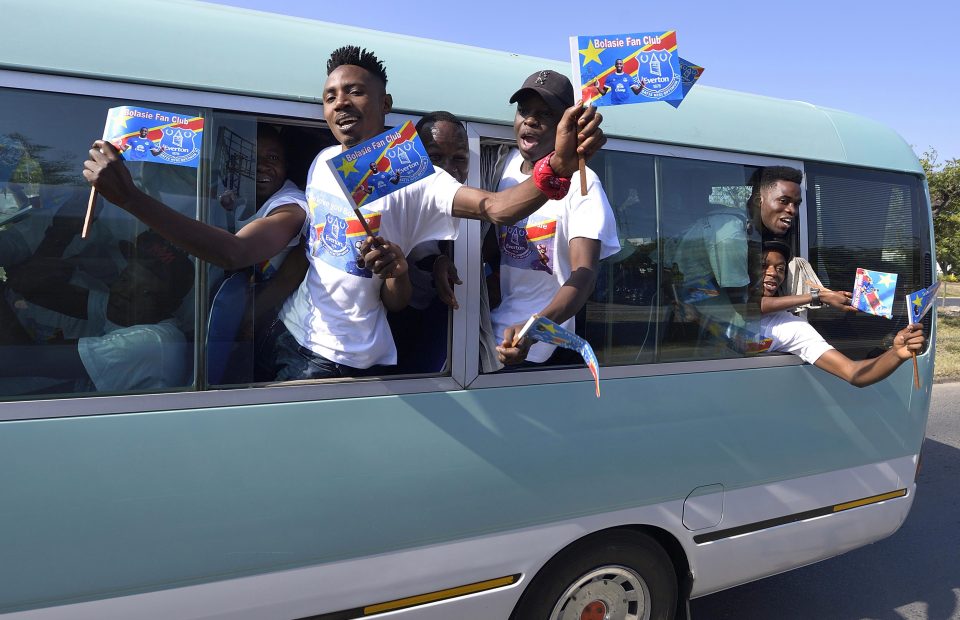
(548, 261)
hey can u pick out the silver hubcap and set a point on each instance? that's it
(607, 593)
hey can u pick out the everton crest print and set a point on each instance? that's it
(529, 245)
(336, 233)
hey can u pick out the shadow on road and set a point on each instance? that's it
(919, 566)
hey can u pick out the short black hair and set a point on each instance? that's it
(437, 116)
(776, 245)
(769, 175)
(363, 58)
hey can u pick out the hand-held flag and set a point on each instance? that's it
(380, 166)
(873, 292)
(616, 69)
(918, 304)
(545, 330)
(142, 134)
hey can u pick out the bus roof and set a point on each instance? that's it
(196, 45)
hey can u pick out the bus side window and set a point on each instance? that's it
(258, 165)
(111, 313)
(621, 319)
(889, 219)
(707, 241)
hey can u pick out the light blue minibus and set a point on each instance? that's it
(144, 476)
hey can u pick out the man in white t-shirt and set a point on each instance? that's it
(335, 324)
(792, 334)
(549, 260)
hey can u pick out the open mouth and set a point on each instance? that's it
(529, 141)
(770, 285)
(785, 222)
(346, 123)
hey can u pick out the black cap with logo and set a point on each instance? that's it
(555, 88)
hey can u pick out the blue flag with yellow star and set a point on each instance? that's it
(142, 134)
(873, 292)
(919, 302)
(381, 165)
(617, 69)
(545, 330)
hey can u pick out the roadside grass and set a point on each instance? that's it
(953, 289)
(947, 366)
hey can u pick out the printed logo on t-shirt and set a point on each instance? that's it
(529, 244)
(336, 233)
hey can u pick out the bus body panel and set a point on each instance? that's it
(355, 583)
(209, 494)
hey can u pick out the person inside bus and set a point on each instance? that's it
(792, 334)
(775, 200)
(129, 339)
(420, 329)
(335, 324)
(548, 260)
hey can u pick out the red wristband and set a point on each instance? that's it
(554, 187)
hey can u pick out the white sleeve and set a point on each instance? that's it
(424, 211)
(794, 335)
(139, 357)
(590, 216)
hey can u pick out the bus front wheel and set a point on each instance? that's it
(619, 575)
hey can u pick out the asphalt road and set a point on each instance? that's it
(913, 575)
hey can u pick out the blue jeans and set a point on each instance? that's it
(281, 358)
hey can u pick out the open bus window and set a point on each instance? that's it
(112, 313)
(886, 231)
(257, 167)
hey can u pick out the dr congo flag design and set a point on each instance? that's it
(148, 135)
(381, 165)
(615, 69)
(545, 330)
(919, 302)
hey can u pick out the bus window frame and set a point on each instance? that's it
(464, 371)
(550, 375)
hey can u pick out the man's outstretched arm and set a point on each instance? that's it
(256, 242)
(578, 134)
(908, 341)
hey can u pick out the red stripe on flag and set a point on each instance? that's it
(407, 132)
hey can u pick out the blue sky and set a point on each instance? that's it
(894, 62)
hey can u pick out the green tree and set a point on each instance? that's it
(944, 181)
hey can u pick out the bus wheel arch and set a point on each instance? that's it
(635, 573)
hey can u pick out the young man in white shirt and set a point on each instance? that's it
(548, 260)
(794, 335)
(335, 324)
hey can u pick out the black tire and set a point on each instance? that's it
(627, 571)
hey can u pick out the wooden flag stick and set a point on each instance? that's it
(88, 218)
(916, 372)
(581, 162)
(363, 221)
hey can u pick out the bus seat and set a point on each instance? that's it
(227, 311)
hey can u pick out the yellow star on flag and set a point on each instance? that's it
(347, 167)
(591, 54)
(886, 279)
(917, 302)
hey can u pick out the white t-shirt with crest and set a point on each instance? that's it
(337, 312)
